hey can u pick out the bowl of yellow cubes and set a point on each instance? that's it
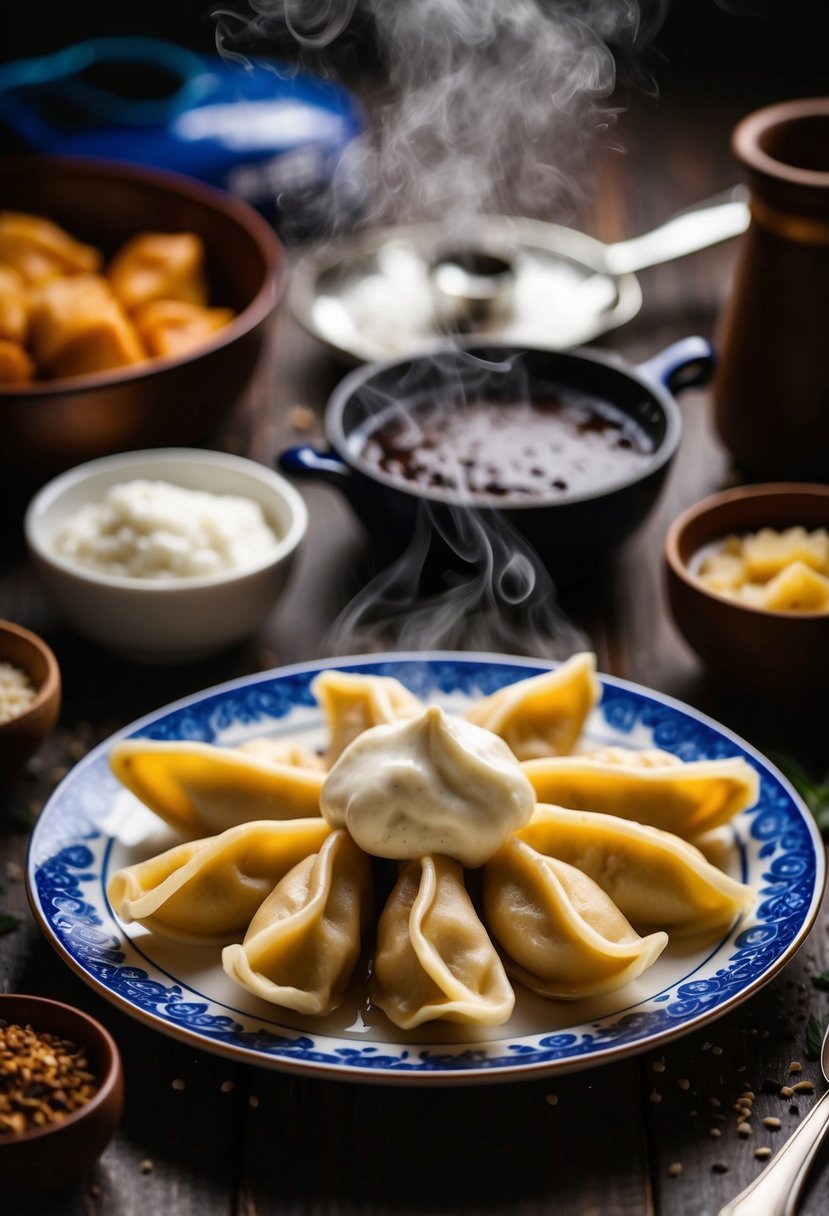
(134, 307)
(748, 586)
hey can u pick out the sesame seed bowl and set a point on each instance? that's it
(62, 1048)
(30, 690)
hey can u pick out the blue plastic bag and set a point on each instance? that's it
(274, 136)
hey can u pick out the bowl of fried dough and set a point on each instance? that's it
(134, 305)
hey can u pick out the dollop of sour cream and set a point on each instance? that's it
(153, 530)
(431, 784)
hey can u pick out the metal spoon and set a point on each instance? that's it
(775, 1191)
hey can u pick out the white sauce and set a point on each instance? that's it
(432, 784)
(153, 530)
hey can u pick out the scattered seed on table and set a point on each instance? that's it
(714, 1102)
(179, 1084)
(716, 1051)
(762, 1154)
(714, 1131)
(227, 1086)
(706, 1046)
(803, 1087)
(675, 1169)
(655, 1096)
(744, 1129)
(658, 1066)
(551, 1099)
(786, 1091)
(683, 1083)
(795, 1066)
(94, 1190)
(253, 1101)
(772, 1123)
(146, 1166)
(302, 418)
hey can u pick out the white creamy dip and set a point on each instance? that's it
(153, 530)
(432, 784)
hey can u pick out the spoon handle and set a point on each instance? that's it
(775, 1191)
(701, 226)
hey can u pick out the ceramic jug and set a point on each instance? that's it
(771, 393)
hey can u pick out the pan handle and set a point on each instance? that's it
(685, 364)
(305, 461)
(717, 219)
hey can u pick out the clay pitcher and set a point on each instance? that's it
(771, 394)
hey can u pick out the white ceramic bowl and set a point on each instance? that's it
(171, 619)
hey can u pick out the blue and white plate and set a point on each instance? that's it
(92, 826)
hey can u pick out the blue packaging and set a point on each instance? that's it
(267, 132)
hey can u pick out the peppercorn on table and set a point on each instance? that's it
(674, 1131)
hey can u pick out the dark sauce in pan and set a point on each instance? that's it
(522, 450)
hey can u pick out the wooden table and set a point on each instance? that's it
(602, 1141)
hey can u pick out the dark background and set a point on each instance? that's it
(718, 42)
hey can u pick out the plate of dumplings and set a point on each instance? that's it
(415, 869)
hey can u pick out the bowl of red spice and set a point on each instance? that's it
(30, 690)
(61, 1092)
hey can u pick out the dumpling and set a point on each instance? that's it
(303, 943)
(38, 249)
(174, 327)
(77, 327)
(652, 876)
(206, 891)
(434, 958)
(199, 788)
(283, 751)
(544, 715)
(686, 799)
(563, 936)
(159, 266)
(646, 757)
(353, 703)
(16, 364)
(14, 306)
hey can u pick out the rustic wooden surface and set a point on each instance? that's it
(601, 1141)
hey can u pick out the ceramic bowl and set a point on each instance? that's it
(61, 1153)
(170, 619)
(50, 425)
(750, 648)
(23, 734)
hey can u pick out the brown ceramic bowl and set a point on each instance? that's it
(750, 648)
(50, 425)
(22, 735)
(61, 1153)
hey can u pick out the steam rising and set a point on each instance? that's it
(501, 599)
(495, 103)
(494, 107)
